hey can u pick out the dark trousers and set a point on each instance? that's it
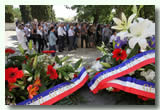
(34, 38)
(83, 37)
(106, 40)
(60, 43)
(71, 39)
(40, 45)
(45, 43)
(75, 42)
(52, 48)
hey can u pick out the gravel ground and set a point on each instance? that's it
(88, 55)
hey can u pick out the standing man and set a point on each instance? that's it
(71, 38)
(61, 34)
(106, 33)
(52, 41)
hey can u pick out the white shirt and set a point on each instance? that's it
(39, 32)
(27, 31)
(21, 38)
(70, 32)
(113, 37)
(61, 31)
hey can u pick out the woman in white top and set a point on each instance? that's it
(21, 37)
(113, 37)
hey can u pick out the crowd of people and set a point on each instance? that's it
(63, 35)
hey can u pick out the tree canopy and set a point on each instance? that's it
(9, 16)
(104, 13)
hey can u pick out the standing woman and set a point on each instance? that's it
(40, 38)
(34, 35)
(52, 41)
(91, 36)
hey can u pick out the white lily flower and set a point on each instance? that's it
(139, 31)
(149, 75)
(97, 66)
(123, 24)
(56, 66)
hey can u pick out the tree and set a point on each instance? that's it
(43, 12)
(26, 13)
(9, 16)
(91, 13)
(17, 13)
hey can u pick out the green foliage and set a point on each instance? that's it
(21, 49)
(26, 13)
(35, 62)
(106, 65)
(77, 64)
(17, 13)
(58, 60)
(43, 12)
(134, 51)
(102, 48)
(30, 45)
(104, 14)
(65, 71)
(9, 15)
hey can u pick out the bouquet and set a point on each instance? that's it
(135, 35)
(30, 73)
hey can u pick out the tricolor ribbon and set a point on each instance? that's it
(108, 77)
(58, 92)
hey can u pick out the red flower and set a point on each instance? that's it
(9, 51)
(96, 73)
(26, 57)
(75, 75)
(98, 58)
(119, 54)
(12, 74)
(37, 83)
(12, 86)
(142, 97)
(115, 90)
(32, 91)
(53, 64)
(52, 72)
(48, 51)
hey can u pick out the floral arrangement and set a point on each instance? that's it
(30, 73)
(134, 36)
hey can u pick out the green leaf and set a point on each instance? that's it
(134, 9)
(58, 60)
(77, 64)
(65, 58)
(107, 65)
(35, 62)
(21, 49)
(114, 43)
(23, 98)
(134, 51)
(30, 45)
(42, 88)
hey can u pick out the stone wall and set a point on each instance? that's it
(10, 26)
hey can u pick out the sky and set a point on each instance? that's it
(60, 11)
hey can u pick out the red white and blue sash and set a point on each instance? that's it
(108, 78)
(58, 92)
